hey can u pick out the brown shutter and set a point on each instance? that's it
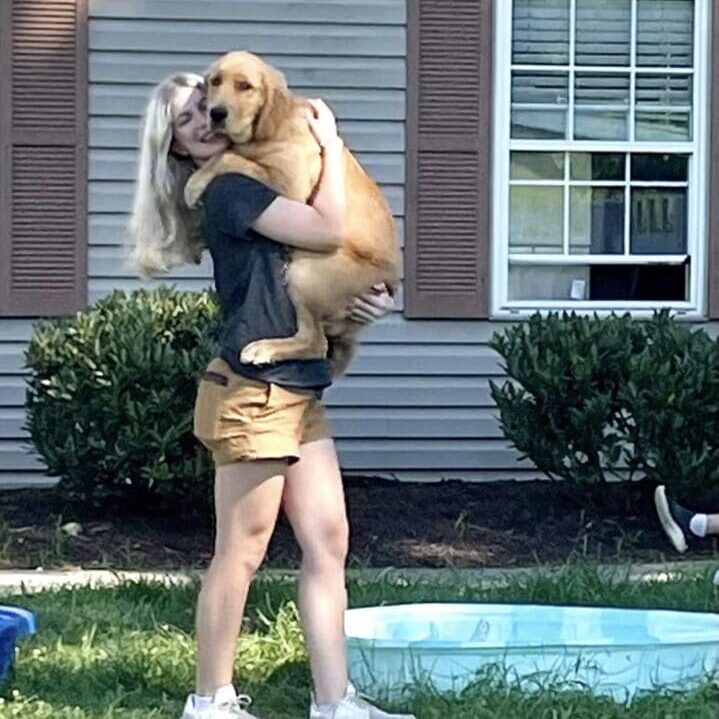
(449, 108)
(713, 272)
(43, 119)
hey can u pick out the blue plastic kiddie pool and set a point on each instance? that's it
(615, 652)
(14, 624)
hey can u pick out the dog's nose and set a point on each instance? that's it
(218, 114)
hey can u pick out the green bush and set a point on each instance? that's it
(673, 400)
(591, 398)
(111, 393)
(563, 410)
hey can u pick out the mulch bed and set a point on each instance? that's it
(448, 524)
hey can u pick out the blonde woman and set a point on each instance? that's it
(264, 425)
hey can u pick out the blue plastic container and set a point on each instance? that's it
(14, 624)
(614, 652)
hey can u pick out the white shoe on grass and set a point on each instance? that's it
(226, 704)
(353, 706)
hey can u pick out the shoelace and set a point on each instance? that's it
(237, 707)
(359, 700)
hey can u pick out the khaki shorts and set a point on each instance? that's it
(239, 418)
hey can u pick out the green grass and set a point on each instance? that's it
(128, 652)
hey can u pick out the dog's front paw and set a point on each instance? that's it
(194, 188)
(258, 352)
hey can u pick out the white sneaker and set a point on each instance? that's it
(226, 704)
(353, 706)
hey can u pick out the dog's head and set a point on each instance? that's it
(244, 96)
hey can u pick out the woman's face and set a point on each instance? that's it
(191, 134)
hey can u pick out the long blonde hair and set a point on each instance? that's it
(165, 232)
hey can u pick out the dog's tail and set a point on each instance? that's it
(341, 349)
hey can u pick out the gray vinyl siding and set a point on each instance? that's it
(415, 405)
(416, 402)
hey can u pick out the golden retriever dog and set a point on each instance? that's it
(272, 142)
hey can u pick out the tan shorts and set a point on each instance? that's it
(239, 418)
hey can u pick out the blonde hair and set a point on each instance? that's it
(165, 232)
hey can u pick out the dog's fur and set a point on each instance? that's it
(273, 143)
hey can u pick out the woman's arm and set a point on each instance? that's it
(320, 226)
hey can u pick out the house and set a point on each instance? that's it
(538, 154)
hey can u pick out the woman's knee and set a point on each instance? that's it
(245, 553)
(240, 568)
(328, 544)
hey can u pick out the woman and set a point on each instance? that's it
(264, 425)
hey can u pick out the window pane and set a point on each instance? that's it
(536, 215)
(548, 93)
(659, 221)
(548, 282)
(670, 91)
(599, 282)
(602, 106)
(648, 283)
(664, 104)
(660, 168)
(663, 126)
(540, 32)
(665, 33)
(596, 220)
(597, 166)
(603, 32)
(537, 166)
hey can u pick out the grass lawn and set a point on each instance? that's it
(128, 652)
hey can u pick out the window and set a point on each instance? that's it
(600, 159)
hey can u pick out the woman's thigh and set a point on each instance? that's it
(247, 501)
(314, 499)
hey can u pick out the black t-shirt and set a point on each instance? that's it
(250, 281)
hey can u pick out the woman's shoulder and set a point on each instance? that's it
(236, 182)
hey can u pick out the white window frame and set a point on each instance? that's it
(697, 199)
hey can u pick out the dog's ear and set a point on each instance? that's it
(274, 77)
(274, 90)
(206, 78)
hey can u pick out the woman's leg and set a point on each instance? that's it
(247, 500)
(315, 507)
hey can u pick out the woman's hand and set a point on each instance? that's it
(371, 306)
(322, 123)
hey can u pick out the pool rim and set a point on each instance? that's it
(354, 641)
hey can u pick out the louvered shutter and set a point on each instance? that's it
(43, 118)
(449, 108)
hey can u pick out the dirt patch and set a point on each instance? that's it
(393, 524)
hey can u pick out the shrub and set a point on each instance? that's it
(111, 393)
(591, 398)
(672, 398)
(563, 410)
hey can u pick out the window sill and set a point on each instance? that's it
(518, 314)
